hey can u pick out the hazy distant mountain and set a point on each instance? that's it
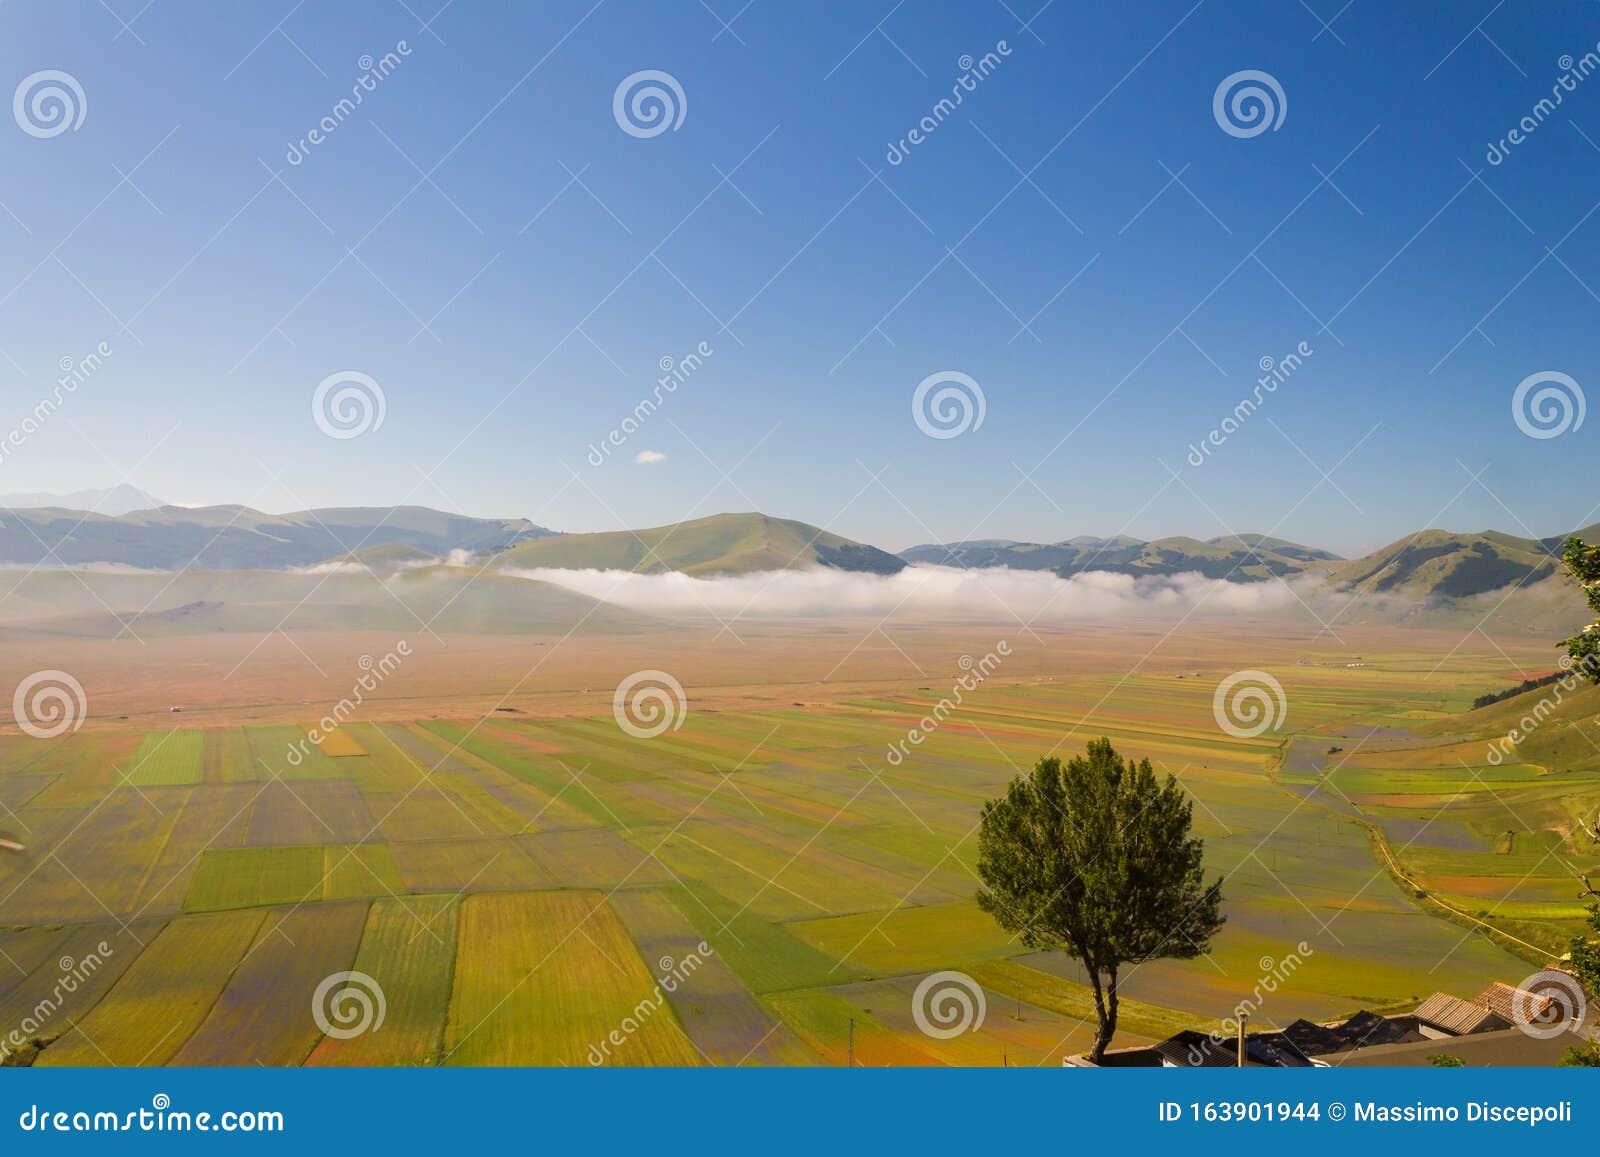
(1245, 558)
(117, 500)
(721, 544)
(449, 600)
(235, 537)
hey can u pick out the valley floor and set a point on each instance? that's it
(526, 883)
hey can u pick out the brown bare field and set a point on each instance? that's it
(271, 679)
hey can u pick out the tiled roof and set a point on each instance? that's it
(1515, 1004)
(1461, 1017)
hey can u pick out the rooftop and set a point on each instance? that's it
(1459, 1017)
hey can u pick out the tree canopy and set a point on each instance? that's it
(1096, 857)
(1583, 564)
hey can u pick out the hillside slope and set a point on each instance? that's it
(1432, 566)
(721, 544)
(1439, 564)
(1242, 558)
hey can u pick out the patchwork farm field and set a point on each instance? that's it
(764, 885)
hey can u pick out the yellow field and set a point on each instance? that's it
(544, 978)
(164, 996)
(411, 944)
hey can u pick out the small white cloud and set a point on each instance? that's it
(649, 457)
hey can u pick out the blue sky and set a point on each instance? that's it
(483, 239)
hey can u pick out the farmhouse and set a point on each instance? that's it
(1480, 1032)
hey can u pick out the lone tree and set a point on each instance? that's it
(1096, 857)
(1582, 562)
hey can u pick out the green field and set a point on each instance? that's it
(516, 886)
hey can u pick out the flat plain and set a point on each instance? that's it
(519, 875)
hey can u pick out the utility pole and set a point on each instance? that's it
(851, 1063)
(1243, 1017)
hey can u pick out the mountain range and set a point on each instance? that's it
(115, 500)
(1242, 558)
(236, 537)
(1430, 565)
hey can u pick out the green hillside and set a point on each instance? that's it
(721, 544)
(1432, 567)
(1439, 564)
(1241, 558)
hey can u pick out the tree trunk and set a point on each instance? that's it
(1105, 1012)
(1108, 1024)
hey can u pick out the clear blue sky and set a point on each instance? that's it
(827, 294)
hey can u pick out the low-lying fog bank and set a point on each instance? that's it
(929, 591)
